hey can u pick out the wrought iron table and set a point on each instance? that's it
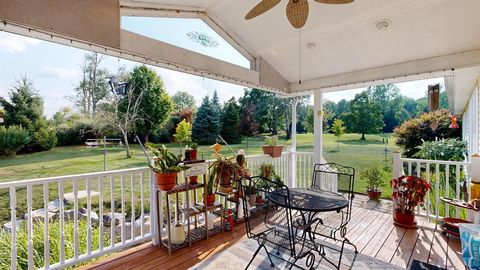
(308, 203)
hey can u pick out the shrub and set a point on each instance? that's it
(76, 133)
(449, 149)
(45, 138)
(374, 178)
(412, 133)
(12, 139)
(38, 243)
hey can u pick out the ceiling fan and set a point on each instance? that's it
(297, 10)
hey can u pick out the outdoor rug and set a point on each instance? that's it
(238, 256)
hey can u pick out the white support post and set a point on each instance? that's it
(318, 126)
(292, 155)
(397, 169)
(155, 227)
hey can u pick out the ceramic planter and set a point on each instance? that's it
(177, 233)
(374, 194)
(273, 151)
(210, 198)
(166, 181)
(193, 154)
(404, 220)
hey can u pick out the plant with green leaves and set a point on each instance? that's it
(271, 140)
(446, 149)
(338, 129)
(193, 145)
(267, 171)
(165, 161)
(222, 172)
(12, 139)
(374, 178)
(183, 132)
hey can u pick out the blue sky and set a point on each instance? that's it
(55, 69)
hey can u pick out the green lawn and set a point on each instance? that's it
(78, 159)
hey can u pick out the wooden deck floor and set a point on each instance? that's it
(371, 230)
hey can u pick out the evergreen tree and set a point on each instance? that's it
(231, 122)
(216, 113)
(206, 125)
(25, 109)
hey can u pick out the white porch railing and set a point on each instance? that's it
(445, 179)
(88, 199)
(125, 191)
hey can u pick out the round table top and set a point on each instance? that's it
(304, 199)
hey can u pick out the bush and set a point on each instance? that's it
(45, 138)
(76, 133)
(38, 243)
(412, 133)
(12, 139)
(450, 149)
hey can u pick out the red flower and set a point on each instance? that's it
(408, 192)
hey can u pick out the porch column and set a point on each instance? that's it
(293, 150)
(318, 126)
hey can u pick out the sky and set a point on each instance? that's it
(55, 69)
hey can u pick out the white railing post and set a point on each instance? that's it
(397, 169)
(155, 226)
(292, 168)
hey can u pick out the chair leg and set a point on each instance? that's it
(254, 255)
(270, 258)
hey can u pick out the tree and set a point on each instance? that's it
(216, 113)
(25, 109)
(365, 115)
(391, 103)
(155, 104)
(308, 123)
(269, 110)
(182, 100)
(206, 125)
(93, 88)
(338, 130)
(183, 132)
(231, 122)
(412, 133)
(248, 125)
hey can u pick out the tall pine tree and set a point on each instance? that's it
(216, 113)
(231, 122)
(206, 125)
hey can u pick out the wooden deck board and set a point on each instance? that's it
(371, 229)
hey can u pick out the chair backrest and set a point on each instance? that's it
(335, 177)
(274, 217)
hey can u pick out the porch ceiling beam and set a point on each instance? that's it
(413, 70)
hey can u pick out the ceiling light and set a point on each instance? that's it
(383, 24)
(311, 45)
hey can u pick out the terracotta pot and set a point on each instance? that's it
(188, 154)
(374, 194)
(210, 198)
(273, 151)
(193, 154)
(166, 181)
(404, 219)
(193, 180)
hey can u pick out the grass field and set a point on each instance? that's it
(78, 159)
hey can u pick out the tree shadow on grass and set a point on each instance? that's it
(361, 142)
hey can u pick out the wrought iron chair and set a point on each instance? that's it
(276, 229)
(334, 177)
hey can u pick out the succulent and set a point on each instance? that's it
(271, 140)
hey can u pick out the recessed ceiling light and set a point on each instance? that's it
(311, 45)
(383, 24)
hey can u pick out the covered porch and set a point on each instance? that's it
(342, 48)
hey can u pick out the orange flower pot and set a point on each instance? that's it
(166, 181)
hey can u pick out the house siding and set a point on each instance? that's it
(470, 124)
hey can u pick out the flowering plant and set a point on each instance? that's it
(408, 192)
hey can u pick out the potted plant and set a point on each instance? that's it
(374, 178)
(183, 135)
(408, 192)
(166, 166)
(271, 147)
(224, 171)
(251, 192)
(209, 195)
(193, 146)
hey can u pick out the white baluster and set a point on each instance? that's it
(132, 222)
(437, 188)
(457, 180)
(122, 187)
(75, 219)
(428, 192)
(89, 221)
(29, 227)
(62, 220)
(112, 211)
(447, 189)
(46, 242)
(13, 220)
(142, 207)
(100, 213)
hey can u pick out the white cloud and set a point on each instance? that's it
(15, 43)
(59, 73)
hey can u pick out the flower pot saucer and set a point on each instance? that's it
(405, 226)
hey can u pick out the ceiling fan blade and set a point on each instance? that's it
(297, 12)
(334, 2)
(261, 8)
